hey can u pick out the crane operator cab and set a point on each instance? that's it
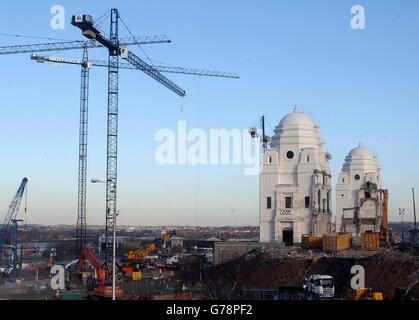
(82, 18)
(85, 23)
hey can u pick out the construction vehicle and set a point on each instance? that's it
(11, 214)
(319, 286)
(160, 241)
(14, 249)
(386, 237)
(367, 294)
(52, 257)
(101, 290)
(6, 269)
(10, 225)
(142, 253)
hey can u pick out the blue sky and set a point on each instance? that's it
(358, 85)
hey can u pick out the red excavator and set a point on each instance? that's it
(101, 290)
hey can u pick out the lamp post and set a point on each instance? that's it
(414, 206)
(113, 247)
(401, 213)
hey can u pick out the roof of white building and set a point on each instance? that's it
(361, 158)
(296, 117)
(360, 152)
(296, 128)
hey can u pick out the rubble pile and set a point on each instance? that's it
(390, 271)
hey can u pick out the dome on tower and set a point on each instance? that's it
(296, 118)
(296, 127)
(361, 158)
(360, 152)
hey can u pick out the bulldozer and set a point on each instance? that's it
(367, 294)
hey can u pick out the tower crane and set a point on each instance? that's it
(86, 64)
(115, 50)
(12, 212)
(85, 45)
(264, 139)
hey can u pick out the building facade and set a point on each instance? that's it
(359, 193)
(294, 183)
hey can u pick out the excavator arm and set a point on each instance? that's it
(86, 255)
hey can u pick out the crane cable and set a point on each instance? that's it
(270, 126)
(102, 17)
(101, 20)
(138, 44)
(33, 37)
(197, 171)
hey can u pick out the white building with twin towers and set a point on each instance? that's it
(295, 182)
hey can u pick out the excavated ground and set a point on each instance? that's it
(391, 271)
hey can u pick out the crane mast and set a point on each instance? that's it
(112, 133)
(81, 226)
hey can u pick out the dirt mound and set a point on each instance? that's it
(409, 248)
(386, 272)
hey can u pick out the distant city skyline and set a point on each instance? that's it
(358, 85)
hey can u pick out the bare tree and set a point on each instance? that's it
(204, 285)
(237, 274)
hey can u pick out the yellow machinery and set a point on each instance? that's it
(367, 294)
(142, 253)
(137, 275)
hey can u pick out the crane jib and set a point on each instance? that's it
(12, 211)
